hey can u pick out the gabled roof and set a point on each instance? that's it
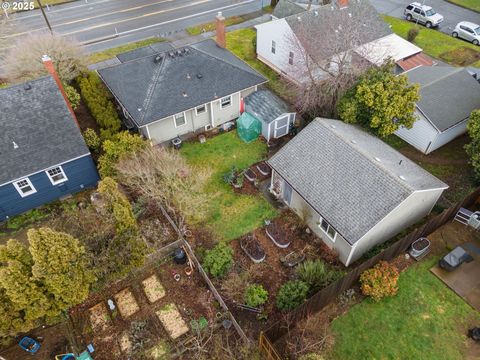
(265, 105)
(447, 94)
(38, 130)
(310, 25)
(351, 178)
(163, 84)
(286, 8)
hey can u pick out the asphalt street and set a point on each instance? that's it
(452, 14)
(108, 23)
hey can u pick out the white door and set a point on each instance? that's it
(281, 126)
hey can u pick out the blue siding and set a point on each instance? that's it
(81, 174)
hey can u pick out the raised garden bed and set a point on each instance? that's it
(127, 305)
(292, 259)
(250, 175)
(172, 321)
(277, 234)
(263, 168)
(420, 248)
(153, 289)
(99, 317)
(251, 246)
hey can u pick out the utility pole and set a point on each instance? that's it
(45, 16)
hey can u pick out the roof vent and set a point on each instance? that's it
(15, 146)
(186, 50)
(402, 177)
(179, 53)
(171, 54)
(157, 59)
(353, 141)
(27, 86)
(333, 126)
(139, 109)
(315, 13)
(299, 18)
(184, 94)
(378, 159)
(199, 76)
(188, 76)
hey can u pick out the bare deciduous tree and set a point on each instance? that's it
(164, 176)
(23, 61)
(329, 44)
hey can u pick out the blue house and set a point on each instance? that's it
(43, 156)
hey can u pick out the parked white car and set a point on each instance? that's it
(423, 14)
(468, 31)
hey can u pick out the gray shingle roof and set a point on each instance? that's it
(310, 25)
(286, 8)
(265, 105)
(447, 94)
(203, 72)
(40, 124)
(145, 51)
(349, 176)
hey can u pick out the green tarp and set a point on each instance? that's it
(248, 127)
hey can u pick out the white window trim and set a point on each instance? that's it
(65, 178)
(326, 232)
(22, 194)
(231, 102)
(175, 120)
(204, 109)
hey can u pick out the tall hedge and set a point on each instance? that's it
(98, 99)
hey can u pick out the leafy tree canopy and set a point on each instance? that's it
(473, 148)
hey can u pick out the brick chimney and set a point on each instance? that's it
(342, 3)
(220, 30)
(47, 62)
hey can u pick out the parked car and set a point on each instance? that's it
(423, 14)
(468, 31)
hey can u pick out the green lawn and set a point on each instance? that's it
(242, 43)
(470, 4)
(425, 320)
(439, 45)
(110, 53)
(231, 215)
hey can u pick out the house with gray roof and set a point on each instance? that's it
(43, 154)
(272, 112)
(353, 190)
(166, 93)
(447, 97)
(286, 8)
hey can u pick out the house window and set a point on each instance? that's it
(328, 229)
(56, 175)
(290, 58)
(274, 47)
(180, 120)
(200, 109)
(226, 101)
(24, 187)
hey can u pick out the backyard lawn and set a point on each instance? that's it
(231, 215)
(425, 320)
(439, 45)
(469, 4)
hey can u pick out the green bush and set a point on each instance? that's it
(412, 34)
(380, 281)
(317, 274)
(98, 100)
(72, 95)
(114, 149)
(473, 147)
(255, 295)
(292, 294)
(92, 139)
(219, 260)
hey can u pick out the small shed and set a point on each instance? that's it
(273, 113)
(248, 127)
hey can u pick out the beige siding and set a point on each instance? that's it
(200, 120)
(229, 113)
(413, 209)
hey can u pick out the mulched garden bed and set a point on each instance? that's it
(253, 248)
(263, 168)
(250, 175)
(278, 235)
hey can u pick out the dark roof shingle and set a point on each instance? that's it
(286, 8)
(265, 105)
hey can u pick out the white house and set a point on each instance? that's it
(447, 97)
(281, 42)
(353, 190)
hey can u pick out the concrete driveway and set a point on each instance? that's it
(452, 14)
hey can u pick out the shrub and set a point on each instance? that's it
(292, 294)
(412, 34)
(317, 274)
(255, 295)
(380, 281)
(120, 145)
(92, 139)
(218, 260)
(97, 98)
(72, 95)
(473, 147)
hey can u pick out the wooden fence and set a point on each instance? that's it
(322, 298)
(267, 349)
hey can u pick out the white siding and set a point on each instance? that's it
(421, 135)
(448, 135)
(411, 210)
